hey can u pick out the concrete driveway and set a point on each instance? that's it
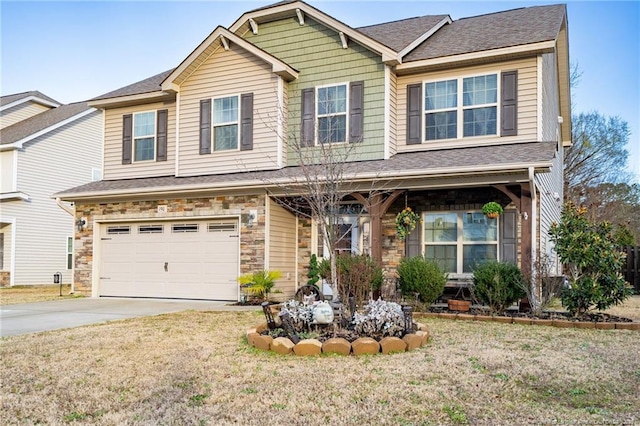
(58, 314)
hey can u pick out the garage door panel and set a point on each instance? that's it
(200, 265)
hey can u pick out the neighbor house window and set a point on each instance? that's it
(225, 123)
(471, 101)
(69, 252)
(332, 113)
(144, 136)
(458, 241)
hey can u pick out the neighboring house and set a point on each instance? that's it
(447, 114)
(45, 147)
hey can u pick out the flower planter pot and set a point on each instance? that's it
(492, 215)
(459, 305)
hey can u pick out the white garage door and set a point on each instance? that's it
(183, 260)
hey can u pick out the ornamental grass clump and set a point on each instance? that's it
(498, 285)
(380, 319)
(417, 275)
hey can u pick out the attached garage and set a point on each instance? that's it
(173, 259)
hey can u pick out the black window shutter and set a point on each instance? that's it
(161, 140)
(205, 126)
(412, 244)
(414, 114)
(127, 130)
(508, 237)
(308, 113)
(356, 110)
(509, 103)
(246, 122)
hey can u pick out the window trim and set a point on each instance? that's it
(237, 123)
(460, 242)
(460, 108)
(134, 138)
(346, 113)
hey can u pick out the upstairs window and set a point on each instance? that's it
(144, 136)
(332, 114)
(225, 123)
(480, 105)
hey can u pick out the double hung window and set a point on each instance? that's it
(332, 113)
(471, 101)
(225, 123)
(144, 136)
(458, 241)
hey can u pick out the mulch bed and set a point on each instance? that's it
(547, 315)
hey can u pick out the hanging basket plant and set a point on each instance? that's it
(406, 222)
(492, 210)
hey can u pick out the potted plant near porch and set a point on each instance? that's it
(492, 210)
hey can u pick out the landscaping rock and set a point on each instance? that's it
(308, 347)
(628, 326)
(337, 345)
(413, 341)
(261, 327)
(262, 342)
(424, 335)
(282, 345)
(251, 338)
(422, 327)
(392, 344)
(604, 325)
(563, 323)
(365, 345)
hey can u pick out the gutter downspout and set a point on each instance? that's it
(534, 222)
(72, 212)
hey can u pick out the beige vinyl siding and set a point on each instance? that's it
(282, 248)
(527, 104)
(550, 98)
(7, 171)
(113, 167)
(229, 73)
(316, 51)
(53, 162)
(20, 112)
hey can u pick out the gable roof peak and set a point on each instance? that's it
(33, 95)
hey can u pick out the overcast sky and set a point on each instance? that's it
(73, 51)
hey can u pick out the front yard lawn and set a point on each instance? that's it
(196, 368)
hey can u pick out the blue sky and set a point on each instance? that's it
(77, 50)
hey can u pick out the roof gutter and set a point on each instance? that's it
(156, 96)
(262, 184)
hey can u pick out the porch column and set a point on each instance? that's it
(527, 218)
(377, 205)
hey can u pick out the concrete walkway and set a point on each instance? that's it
(58, 314)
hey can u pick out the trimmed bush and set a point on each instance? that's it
(421, 276)
(359, 275)
(498, 285)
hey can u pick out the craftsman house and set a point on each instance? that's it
(443, 116)
(45, 147)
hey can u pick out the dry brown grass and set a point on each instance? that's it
(37, 293)
(196, 368)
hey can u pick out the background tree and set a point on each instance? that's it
(595, 169)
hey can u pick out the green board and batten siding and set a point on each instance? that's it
(316, 52)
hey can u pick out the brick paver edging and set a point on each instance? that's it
(533, 321)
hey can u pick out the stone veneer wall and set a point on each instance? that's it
(304, 249)
(252, 240)
(5, 278)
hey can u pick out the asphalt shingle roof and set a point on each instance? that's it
(461, 158)
(7, 99)
(502, 29)
(399, 34)
(31, 125)
(148, 85)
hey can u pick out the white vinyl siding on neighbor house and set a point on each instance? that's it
(550, 201)
(113, 167)
(20, 112)
(55, 161)
(8, 171)
(226, 74)
(526, 95)
(282, 245)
